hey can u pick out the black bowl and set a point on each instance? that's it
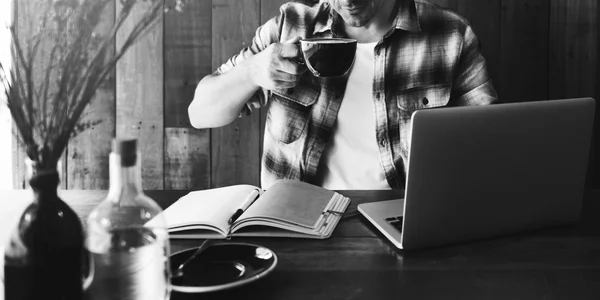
(222, 266)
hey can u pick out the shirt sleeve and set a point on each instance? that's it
(472, 84)
(265, 35)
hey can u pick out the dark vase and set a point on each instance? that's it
(45, 256)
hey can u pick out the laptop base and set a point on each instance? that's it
(382, 215)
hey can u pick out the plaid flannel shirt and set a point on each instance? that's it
(429, 58)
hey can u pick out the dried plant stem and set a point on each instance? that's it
(47, 110)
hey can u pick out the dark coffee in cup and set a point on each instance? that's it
(328, 57)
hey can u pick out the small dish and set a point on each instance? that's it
(222, 266)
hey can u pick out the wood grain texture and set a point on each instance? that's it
(595, 181)
(573, 48)
(28, 16)
(524, 50)
(25, 22)
(62, 169)
(87, 159)
(557, 263)
(235, 154)
(574, 55)
(187, 38)
(139, 104)
(19, 174)
(187, 59)
(484, 17)
(288, 283)
(187, 161)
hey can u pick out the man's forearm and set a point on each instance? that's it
(219, 99)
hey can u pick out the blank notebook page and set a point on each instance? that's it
(294, 202)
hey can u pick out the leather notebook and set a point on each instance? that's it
(289, 208)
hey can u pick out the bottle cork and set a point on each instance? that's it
(126, 148)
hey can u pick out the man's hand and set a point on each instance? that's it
(274, 67)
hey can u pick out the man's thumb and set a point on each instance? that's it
(290, 48)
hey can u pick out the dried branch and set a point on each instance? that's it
(46, 98)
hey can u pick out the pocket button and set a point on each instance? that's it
(425, 101)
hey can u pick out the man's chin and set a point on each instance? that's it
(355, 22)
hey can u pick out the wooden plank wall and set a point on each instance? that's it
(26, 27)
(235, 148)
(139, 99)
(89, 150)
(536, 50)
(188, 51)
(574, 66)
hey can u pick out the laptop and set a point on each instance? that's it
(483, 171)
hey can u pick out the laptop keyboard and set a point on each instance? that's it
(396, 222)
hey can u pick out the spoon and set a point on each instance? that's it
(179, 271)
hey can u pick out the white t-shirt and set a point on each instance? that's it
(352, 159)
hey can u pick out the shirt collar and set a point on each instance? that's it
(406, 18)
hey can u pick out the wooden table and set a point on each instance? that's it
(358, 263)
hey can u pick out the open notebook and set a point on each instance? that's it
(288, 208)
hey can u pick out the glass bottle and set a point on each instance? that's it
(127, 235)
(45, 255)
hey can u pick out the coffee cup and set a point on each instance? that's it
(328, 57)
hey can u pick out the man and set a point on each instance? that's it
(351, 132)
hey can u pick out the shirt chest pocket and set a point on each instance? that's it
(289, 113)
(414, 99)
(423, 97)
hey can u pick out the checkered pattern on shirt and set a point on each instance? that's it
(430, 58)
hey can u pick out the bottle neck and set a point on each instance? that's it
(43, 181)
(125, 178)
